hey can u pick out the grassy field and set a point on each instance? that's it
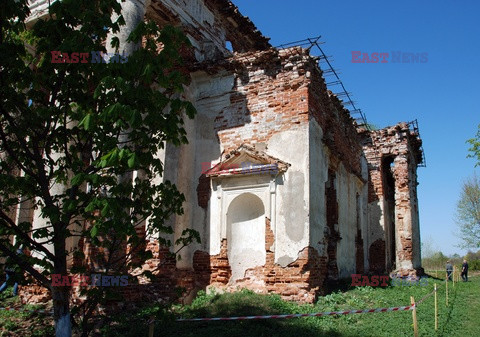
(16, 323)
(460, 318)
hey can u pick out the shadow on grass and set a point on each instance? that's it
(292, 327)
(345, 285)
(243, 303)
(451, 306)
(435, 278)
(341, 285)
(247, 303)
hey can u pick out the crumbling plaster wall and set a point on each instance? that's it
(292, 219)
(261, 104)
(406, 214)
(209, 24)
(335, 148)
(351, 217)
(198, 22)
(351, 196)
(402, 145)
(318, 170)
(277, 101)
(266, 102)
(260, 107)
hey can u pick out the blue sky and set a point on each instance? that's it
(442, 93)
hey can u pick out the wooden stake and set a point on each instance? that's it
(454, 273)
(446, 292)
(436, 306)
(414, 316)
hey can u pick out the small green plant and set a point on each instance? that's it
(458, 319)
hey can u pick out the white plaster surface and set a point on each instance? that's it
(346, 186)
(292, 223)
(318, 176)
(245, 234)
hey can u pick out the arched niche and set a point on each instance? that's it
(245, 234)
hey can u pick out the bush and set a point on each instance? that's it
(474, 265)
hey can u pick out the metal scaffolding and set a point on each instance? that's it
(335, 85)
(413, 125)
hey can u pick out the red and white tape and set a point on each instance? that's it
(238, 318)
(41, 311)
(317, 314)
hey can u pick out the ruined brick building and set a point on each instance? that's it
(287, 191)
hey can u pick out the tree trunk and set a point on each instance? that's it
(61, 294)
(61, 311)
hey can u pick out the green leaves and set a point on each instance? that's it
(468, 213)
(120, 158)
(94, 231)
(132, 161)
(78, 131)
(85, 122)
(135, 119)
(475, 147)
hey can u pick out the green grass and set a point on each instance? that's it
(18, 323)
(460, 318)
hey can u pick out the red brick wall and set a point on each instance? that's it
(400, 145)
(212, 269)
(270, 95)
(302, 280)
(340, 134)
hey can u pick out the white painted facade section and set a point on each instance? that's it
(291, 227)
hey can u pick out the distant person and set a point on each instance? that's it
(464, 273)
(10, 274)
(449, 270)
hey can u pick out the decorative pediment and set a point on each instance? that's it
(247, 160)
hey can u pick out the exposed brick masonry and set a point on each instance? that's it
(399, 148)
(302, 280)
(270, 96)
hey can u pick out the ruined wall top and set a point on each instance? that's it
(290, 59)
(241, 31)
(209, 24)
(400, 139)
(301, 70)
(38, 9)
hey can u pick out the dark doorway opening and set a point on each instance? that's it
(388, 166)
